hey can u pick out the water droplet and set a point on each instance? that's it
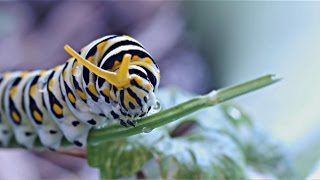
(234, 112)
(157, 106)
(146, 130)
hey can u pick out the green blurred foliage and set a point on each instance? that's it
(215, 143)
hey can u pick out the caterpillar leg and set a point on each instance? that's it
(131, 123)
(126, 123)
(76, 132)
(5, 133)
(123, 123)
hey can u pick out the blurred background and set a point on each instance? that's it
(199, 46)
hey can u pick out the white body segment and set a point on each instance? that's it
(24, 131)
(48, 131)
(76, 105)
(73, 129)
(5, 127)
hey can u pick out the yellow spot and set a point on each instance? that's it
(74, 68)
(71, 98)
(64, 75)
(135, 58)
(128, 98)
(42, 72)
(37, 116)
(99, 53)
(138, 80)
(56, 68)
(92, 89)
(57, 109)
(115, 65)
(148, 87)
(24, 74)
(33, 90)
(6, 74)
(91, 59)
(101, 45)
(148, 60)
(74, 71)
(15, 116)
(82, 95)
(106, 92)
(51, 82)
(13, 91)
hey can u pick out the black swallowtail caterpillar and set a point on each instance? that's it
(112, 78)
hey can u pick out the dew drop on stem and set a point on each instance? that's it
(146, 130)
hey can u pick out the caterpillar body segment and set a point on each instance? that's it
(74, 130)
(5, 127)
(23, 130)
(47, 130)
(112, 78)
(78, 106)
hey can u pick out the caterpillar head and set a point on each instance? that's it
(137, 99)
(129, 85)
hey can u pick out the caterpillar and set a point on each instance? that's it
(112, 78)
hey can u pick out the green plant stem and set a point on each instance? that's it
(116, 131)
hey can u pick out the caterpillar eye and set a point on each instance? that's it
(120, 79)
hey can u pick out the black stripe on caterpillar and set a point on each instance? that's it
(112, 78)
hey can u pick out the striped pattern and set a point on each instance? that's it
(68, 100)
